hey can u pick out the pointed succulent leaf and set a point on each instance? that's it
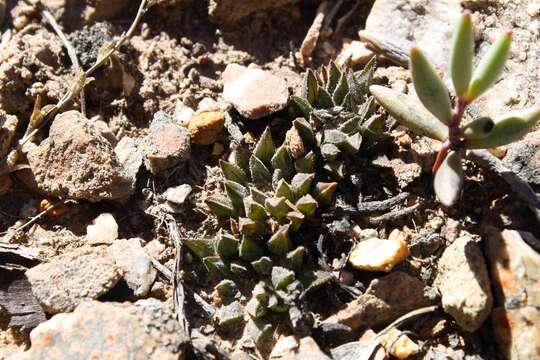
(490, 67)
(200, 247)
(277, 207)
(279, 242)
(259, 172)
(257, 195)
(295, 258)
(478, 128)
(324, 99)
(216, 266)
(334, 75)
(342, 89)
(227, 245)
(410, 113)
(303, 105)
(296, 218)
(239, 269)
(227, 289)
(282, 160)
(249, 250)
(429, 87)
(449, 179)
(284, 190)
(324, 192)
(260, 290)
(334, 137)
(236, 193)
(335, 168)
(262, 266)
(462, 55)
(310, 87)
(249, 227)
(255, 309)
(276, 176)
(364, 79)
(305, 164)
(305, 131)
(281, 277)
(301, 184)
(265, 148)
(353, 143)
(372, 130)
(221, 206)
(330, 152)
(352, 125)
(307, 205)
(507, 130)
(233, 172)
(254, 210)
(276, 305)
(240, 157)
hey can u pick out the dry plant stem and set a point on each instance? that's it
(394, 215)
(70, 50)
(409, 316)
(33, 220)
(383, 205)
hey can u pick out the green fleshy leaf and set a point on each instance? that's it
(341, 91)
(281, 277)
(227, 245)
(462, 55)
(279, 242)
(236, 193)
(354, 124)
(260, 290)
(200, 247)
(324, 192)
(295, 258)
(254, 210)
(352, 146)
(296, 219)
(249, 227)
(257, 195)
(330, 152)
(301, 184)
(282, 160)
(259, 172)
(265, 148)
(507, 130)
(307, 205)
(233, 172)
(216, 266)
(276, 176)
(303, 105)
(490, 67)
(283, 189)
(240, 157)
(249, 250)
(305, 164)
(429, 87)
(324, 99)
(363, 80)
(410, 113)
(239, 269)
(449, 179)
(263, 266)
(334, 75)
(275, 305)
(255, 309)
(221, 206)
(478, 128)
(310, 87)
(305, 131)
(277, 207)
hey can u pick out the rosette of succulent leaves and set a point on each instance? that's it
(439, 120)
(274, 195)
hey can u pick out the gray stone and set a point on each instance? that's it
(68, 279)
(134, 264)
(429, 24)
(255, 93)
(76, 161)
(130, 156)
(289, 348)
(146, 330)
(523, 158)
(230, 11)
(230, 315)
(177, 195)
(385, 300)
(167, 144)
(464, 284)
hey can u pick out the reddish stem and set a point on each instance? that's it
(441, 155)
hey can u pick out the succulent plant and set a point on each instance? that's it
(335, 104)
(438, 120)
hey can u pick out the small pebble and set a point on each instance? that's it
(104, 230)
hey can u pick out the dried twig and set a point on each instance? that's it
(312, 36)
(392, 216)
(70, 50)
(383, 205)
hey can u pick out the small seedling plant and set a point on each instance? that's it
(440, 120)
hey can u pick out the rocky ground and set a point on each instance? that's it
(105, 209)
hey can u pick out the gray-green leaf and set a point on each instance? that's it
(461, 58)
(449, 179)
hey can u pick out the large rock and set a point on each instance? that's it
(77, 161)
(61, 284)
(230, 11)
(255, 93)
(146, 330)
(135, 265)
(429, 24)
(464, 284)
(167, 144)
(515, 270)
(385, 300)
